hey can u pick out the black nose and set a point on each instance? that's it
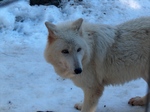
(78, 70)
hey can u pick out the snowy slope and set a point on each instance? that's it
(29, 84)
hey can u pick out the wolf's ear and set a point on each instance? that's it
(52, 31)
(51, 27)
(77, 24)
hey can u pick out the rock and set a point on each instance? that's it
(45, 2)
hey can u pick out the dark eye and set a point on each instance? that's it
(65, 51)
(79, 49)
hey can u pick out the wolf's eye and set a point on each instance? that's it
(65, 51)
(79, 49)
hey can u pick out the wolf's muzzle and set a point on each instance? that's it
(77, 70)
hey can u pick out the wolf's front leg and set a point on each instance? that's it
(91, 97)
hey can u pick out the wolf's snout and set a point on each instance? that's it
(78, 70)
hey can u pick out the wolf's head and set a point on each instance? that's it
(66, 50)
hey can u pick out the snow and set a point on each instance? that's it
(29, 84)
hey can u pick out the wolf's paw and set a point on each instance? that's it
(78, 106)
(137, 101)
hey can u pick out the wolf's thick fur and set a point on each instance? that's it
(96, 55)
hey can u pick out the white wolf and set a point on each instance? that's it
(97, 55)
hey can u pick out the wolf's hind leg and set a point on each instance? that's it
(139, 101)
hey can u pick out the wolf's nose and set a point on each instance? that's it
(78, 70)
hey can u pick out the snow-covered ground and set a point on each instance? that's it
(29, 84)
